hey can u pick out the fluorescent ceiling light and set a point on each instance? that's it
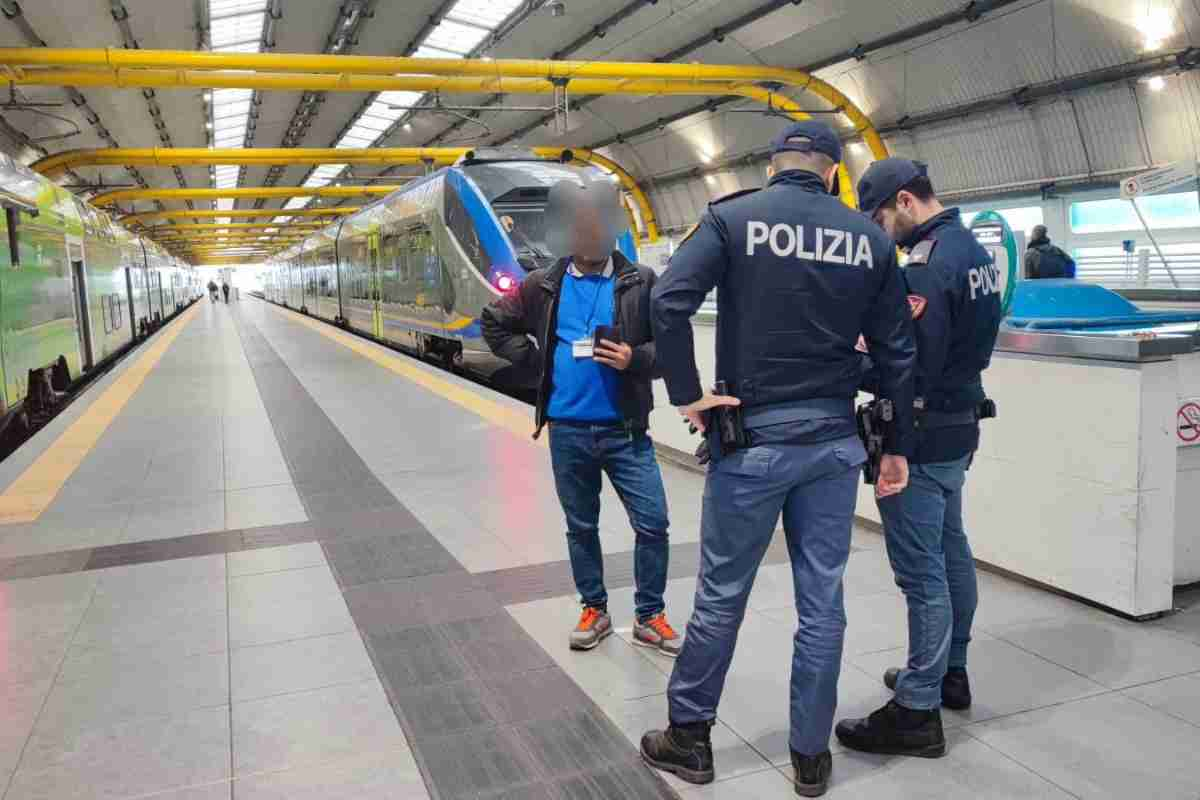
(485, 13)
(455, 37)
(424, 51)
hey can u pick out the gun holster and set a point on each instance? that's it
(725, 431)
(873, 420)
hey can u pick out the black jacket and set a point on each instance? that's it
(533, 309)
(959, 286)
(799, 277)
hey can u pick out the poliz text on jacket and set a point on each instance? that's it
(829, 245)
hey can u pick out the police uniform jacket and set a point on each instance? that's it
(955, 290)
(799, 276)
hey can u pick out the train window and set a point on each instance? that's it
(12, 217)
(463, 229)
(118, 317)
(105, 314)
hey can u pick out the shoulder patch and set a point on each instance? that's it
(921, 252)
(732, 195)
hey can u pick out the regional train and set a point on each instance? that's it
(415, 268)
(75, 290)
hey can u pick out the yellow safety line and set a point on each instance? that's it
(33, 491)
(518, 422)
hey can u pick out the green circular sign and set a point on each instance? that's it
(992, 231)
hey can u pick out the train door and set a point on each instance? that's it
(132, 306)
(82, 312)
(375, 282)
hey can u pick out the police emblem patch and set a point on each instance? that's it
(916, 304)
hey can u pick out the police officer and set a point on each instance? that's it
(800, 277)
(954, 293)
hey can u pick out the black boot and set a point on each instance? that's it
(812, 773)
(896, 730)
(683, 750)
(956, 687)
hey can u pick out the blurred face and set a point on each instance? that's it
(591, 240)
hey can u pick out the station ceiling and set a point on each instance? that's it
(949, 91)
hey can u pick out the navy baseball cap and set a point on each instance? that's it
(883, 179)
(809, 136)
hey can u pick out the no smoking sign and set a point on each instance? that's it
(1187, 423)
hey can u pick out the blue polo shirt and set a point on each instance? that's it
(583, 390)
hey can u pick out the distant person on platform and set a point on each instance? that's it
(1046, 260)
(225, 291)
(212, 291)
(584, 324)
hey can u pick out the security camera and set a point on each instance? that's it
(557, 8)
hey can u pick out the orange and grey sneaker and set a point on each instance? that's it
(657, 633)
(594, 626)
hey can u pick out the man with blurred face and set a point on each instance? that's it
(589, 314)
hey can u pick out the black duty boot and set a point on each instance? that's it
(683, 750)
(896, 730)
(812, 773)
(956, 687)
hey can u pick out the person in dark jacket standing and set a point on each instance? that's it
(590, 315)
(800, 276)
(954, 291)
(225, 291)
(1046, 260)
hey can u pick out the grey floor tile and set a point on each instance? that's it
(498, 763)
(298, 665)
(1184, 623)
(320, 503)
(415, 657)
(275, 559)
(574, 742)
(171, 632)
(536, 694)
(496, 645)
(38, 566)
(631, 778)
(762, 785)
(359, 561)
(278, 535)
(97, 688)
(1004, 602)
(382, 775)
(263, 506)
(1109, 651)
(264, 619)
(37, 538)
(1179, 697)
(31, 658)
(138, 757)
(169, 574)
(359, 523)
(308, 728)
(164, 519)
(1004, 679)
(208, 791)
(444, 709)
(20, 705)
(1109, 746)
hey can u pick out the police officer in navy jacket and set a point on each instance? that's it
(799, 277)
(954, 292)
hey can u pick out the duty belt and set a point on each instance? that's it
(932, 420)
(799, 411)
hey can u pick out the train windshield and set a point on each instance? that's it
(526, 226)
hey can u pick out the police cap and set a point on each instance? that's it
(884, 179)
(809, 136)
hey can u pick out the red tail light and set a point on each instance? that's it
(505, 283)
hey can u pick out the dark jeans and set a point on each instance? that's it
(579, 452)
(814, 487)
(934, 567)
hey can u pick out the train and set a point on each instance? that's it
(415, 268)
(76, 290)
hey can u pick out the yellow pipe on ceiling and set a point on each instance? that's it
(241, 226)
(190, 156)
(280, 192)
(332, 211)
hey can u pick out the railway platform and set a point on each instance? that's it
(264, 558)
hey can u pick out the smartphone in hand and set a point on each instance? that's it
(606, 332)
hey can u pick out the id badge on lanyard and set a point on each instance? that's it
(582, 348)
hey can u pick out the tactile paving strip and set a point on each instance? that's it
(456, 666)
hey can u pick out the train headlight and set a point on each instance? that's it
(505, 283)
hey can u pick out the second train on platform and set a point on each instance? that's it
(416, 268)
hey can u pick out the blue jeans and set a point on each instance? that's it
(579, 452)
(934, 567)
(814, 486)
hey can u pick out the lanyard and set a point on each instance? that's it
(595, 303)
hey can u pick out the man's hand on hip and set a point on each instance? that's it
(694, 412)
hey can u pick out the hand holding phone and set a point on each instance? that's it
(609, 350)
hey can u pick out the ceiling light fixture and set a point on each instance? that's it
(1157, 83)
(1155, 27)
